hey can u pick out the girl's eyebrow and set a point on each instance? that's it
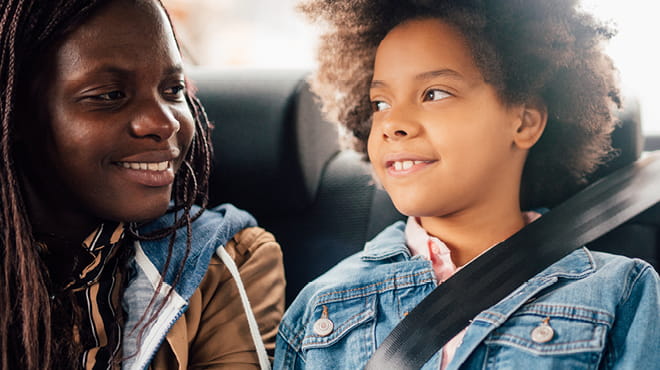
(445, 72)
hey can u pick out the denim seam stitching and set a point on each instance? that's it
(361, 290)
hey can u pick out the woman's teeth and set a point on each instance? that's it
(146, 166)
(405, 165)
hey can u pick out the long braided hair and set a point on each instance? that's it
(28, 29)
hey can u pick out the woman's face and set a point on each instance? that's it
(118, 124)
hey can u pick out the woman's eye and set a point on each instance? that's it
(379, 105)
(110, 96)
(175, 90)
(435, 95)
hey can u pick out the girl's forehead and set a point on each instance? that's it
(423, 45)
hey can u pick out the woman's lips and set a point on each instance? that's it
(149, 166)
(152, 174)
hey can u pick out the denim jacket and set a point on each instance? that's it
(604, 312)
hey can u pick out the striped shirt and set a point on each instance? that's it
(97, 283)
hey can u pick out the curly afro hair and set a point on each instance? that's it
(526, 49)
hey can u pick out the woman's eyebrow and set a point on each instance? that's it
(174, 70)
(108, 68)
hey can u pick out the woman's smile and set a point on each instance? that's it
(151, 174)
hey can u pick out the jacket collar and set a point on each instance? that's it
(392, 242)
(211, 230)
(576, 265)
(389, 243)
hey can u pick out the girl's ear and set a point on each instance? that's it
(531, 125)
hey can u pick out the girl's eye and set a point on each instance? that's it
(435, 95)
(110, 96)
(379, 105)
(175, 90)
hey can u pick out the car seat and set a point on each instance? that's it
(276, 157)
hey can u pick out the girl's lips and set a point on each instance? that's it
(406, 166)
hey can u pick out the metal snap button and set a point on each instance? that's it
(323, 326)
(544, 332)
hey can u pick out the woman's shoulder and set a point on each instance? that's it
(250, 243)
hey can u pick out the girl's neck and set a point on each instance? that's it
(469, 233)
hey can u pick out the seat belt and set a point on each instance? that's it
(448, 309)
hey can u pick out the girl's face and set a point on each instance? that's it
(441, 142)
(118, 125)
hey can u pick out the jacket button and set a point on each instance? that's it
(323, 326)
(544, 332)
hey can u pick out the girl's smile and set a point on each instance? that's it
(403, 164)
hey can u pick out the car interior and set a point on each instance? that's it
(278, 158)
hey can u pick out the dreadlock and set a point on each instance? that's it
(28, 29)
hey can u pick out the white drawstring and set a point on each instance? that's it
(252, 322)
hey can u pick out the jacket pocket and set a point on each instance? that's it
(350, 341)
(550, 336)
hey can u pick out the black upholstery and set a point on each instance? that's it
(277, 158)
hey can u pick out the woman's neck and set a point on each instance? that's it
(54, 223)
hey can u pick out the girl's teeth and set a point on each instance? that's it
(405, 165)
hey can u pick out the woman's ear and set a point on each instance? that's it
(531, 125)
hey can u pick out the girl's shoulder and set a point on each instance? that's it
(618, 266)
(599, 280)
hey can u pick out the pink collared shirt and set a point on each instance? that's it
(433, 249)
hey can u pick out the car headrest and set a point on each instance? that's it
(270, 141)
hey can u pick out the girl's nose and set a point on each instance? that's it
(400, 124)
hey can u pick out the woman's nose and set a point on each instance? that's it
(154, 120)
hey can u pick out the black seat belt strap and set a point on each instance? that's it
(591, 213)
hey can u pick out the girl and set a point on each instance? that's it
(106, 259)
(471, 111)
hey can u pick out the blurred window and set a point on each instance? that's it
(243, 33)
(271, 34)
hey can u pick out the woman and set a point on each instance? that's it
(106, 259)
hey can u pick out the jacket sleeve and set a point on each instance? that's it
(221, 337)
(635, 335)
